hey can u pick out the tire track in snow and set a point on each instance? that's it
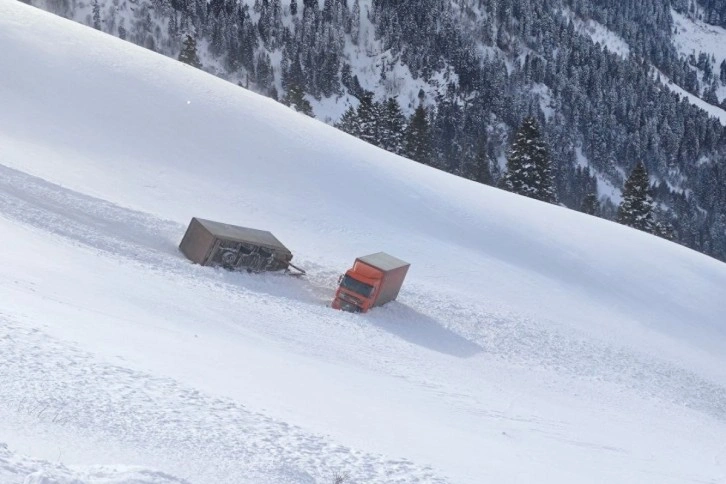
(144, 239)
(137, 237)
(17, 469)
(212, 439)
(89, 221)
(469, 328)
(153, 413)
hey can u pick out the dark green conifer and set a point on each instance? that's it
(96, 15)
(393, 125)
(636, 208)
(188, 54)
(349, 122)
(590, 204)
(369, 119)
(417, 139)
(295, 98)
(529, 170)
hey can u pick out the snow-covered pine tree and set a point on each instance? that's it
(349, 122)
(636, 209)
(662, 227)
(188, 54)
(369, 119)
(548, 193)
(529, 169)
(295, 98)
(710, 93)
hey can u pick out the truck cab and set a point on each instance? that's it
(372, 281)
(356, 292)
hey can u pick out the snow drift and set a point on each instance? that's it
(530, 343)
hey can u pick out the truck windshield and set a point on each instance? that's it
(356, 286)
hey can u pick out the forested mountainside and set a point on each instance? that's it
(448, 82)
(710, 11)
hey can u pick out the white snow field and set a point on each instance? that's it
(530, 343)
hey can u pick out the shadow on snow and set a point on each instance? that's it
(419, 329)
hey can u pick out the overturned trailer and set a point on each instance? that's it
(235, 248)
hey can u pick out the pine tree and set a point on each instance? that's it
(478, 167)
(355, 23)
(293, 7)
(265, 76)
(188, 54)
(295, 98)
(369, 120)
(417, 139)
(172, 29)
(122, 30)
(349, 122)
(529, 170)
(393, 124)
(351, 82)
(636, 208)
(709, 94)
(590, 204)
(96, 15)
(664, 230)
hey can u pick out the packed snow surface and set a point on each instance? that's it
(530, 343)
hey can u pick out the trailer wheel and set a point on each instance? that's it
(228, 258)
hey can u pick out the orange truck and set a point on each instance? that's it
(373, 281)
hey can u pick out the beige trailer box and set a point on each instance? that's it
(235, 248)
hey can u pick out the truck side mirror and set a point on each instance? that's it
(340, 279)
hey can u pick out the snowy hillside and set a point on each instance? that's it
(599, 34)
(145, 23)
(477, 69)
(694, 37)
(530, 343)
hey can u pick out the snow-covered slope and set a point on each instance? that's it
(712, 110)
(599, 34)
(15, 468)
(695, 36)
(530, 343)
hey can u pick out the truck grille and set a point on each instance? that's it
(348, 298)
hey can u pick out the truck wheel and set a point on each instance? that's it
(228, 258)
